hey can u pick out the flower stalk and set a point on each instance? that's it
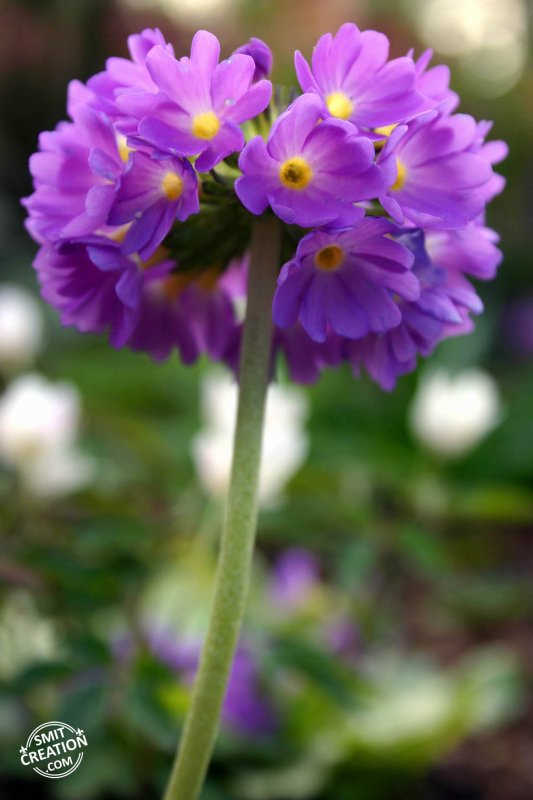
(238, 536)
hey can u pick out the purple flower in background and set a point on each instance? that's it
(76, 176)
(200, 103)
(352, 76)
(310, 174)
(295, 575)
(153, 194)
(434, 179)
(262, 56)
(344, 638)
(294, 584)
(246, 710)
(343, 281)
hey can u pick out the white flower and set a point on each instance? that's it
(21, 327)
(451, 414)
(25, 635)
(285, 441)
(38, 428)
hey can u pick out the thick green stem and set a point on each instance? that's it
(240, 522)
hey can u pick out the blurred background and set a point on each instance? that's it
(388, 647)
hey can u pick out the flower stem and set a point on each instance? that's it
(238, 536)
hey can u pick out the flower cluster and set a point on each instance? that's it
(143, 203)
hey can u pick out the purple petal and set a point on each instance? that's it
(289, 295)
(252, 103)
(205, 51)
(168, 138)
(231, 80)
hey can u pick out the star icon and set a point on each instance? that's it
(79, 732)
(23, 750)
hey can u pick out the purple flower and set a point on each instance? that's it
(153, 193)
(495, 152)
(434, 84)
(262, 56)
(344, 638)
(343, 281)
(144, 305)
(121, 75)
(434, 179)
(246, 709)
(441, 310)
(351, 75)
(193, 312)
(472, 250)
(310, 174)
(200, 103)
(295, 576)
(93, 297)
(305, 359)
(76, 176)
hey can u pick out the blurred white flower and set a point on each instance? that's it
(489, 37)
(38, 428)
(21, 327)
(25, 636)
(451, 414)
(285, 441)
(184, 10)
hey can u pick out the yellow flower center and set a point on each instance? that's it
(172, 185)
(329, 257)
(339, 105)
(124, 149)
(295, 173)
(205, 125)
(385, 130)
(401, 176)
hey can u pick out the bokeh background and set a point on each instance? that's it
(388, 647)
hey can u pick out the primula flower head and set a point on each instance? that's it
(144, 201)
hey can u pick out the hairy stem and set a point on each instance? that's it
(238, 536)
